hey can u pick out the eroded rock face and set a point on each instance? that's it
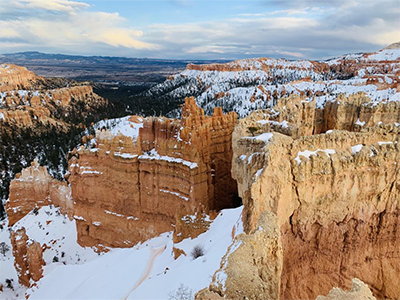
(28, 108)
(129, 188)
(335, 195)
(33, 188)
(359, 291)
(252, 267)
(28, 257)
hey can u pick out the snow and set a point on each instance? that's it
(125, 155)
(355, 149)
(284, 124)
(146, 271)
(174, 193)
(384, 143)
(122, 126)
(358, 122)
(2, 116)
(385, 54)
(153, 155)
(48, 227)
(264, 137)
(307, 154)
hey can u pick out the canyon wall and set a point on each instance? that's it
(335, 198)
(130, 188)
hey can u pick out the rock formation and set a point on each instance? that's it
(335, 196)
(359, 291)
(33, 188)
(130, 188)
(28, 108)
(28, 257)
(249, 84)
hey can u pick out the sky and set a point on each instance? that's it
(199, 29)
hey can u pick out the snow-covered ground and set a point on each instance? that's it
(146, 271)
(121, 125)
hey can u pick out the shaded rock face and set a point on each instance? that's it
(335, 195)
(33, 188)
(129, 189)
(28, 257)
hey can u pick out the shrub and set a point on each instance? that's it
(197, 251)
(253, 130)
(4, 248)
(9, 284)
(182, 293)
(55, 259)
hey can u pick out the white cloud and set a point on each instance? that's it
(49, 5)
(293, 54)
(72, 28)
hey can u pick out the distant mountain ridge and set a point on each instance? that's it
(58, 56)
(99, 68)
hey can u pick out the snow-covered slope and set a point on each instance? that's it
(146, 271)
(47, 226)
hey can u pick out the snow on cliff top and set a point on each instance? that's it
(385, 54)
(124, 125)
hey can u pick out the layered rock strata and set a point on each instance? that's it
(130, 188)
(335, 196)
(33, 188)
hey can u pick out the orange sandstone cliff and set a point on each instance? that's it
(129, 189)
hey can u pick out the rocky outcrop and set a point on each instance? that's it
(130, 188)
(335, 195)
(33, 188)
(28, 257)
(359, 291)
(14, 77)
(30, 108)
